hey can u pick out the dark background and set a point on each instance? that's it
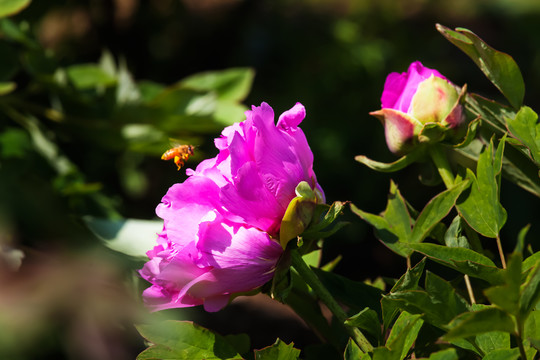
(332, 56)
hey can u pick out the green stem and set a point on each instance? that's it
(312, 280)
(441, 162)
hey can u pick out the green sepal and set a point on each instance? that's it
(397, 165)
(298, 214)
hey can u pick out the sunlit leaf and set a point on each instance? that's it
(399, 164)
(7, 87)
(448, 354)
(231, 84)
(480, 205)
(278, 351)
(403, 334)
(174, 340)
(526, 128)
(353, 352)
(499, 67)
(11, 7)
(393, 227)
(503, 354)
(435, 210)
(130, 236)
(89, 76)
(464, 260)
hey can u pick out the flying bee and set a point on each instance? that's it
(179, 154)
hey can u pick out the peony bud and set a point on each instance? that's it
(414, 99)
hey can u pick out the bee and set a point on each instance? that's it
(179, 154)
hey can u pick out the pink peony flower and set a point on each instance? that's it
(413, 99)
(259, 166)
(221, 226)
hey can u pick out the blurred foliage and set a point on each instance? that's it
(92, 92)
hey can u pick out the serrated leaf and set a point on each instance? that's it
(175, 340)
(408, 281)
(12, 7)
(526, 128)
(480, 205)
(278, 351)
(499, 67)
(435, 210)
(129, 236)
(464, 260)
(479, 322)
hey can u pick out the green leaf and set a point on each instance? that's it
(368, 321)
(420, 302)
(409, 281)
(480, 205)
(453, 236)
(129, 236)
(503, 354)
(11, 7)
(353, 352)
(507, 296)
(439, 303)
(493, 340)
(435, 210)
(184, 340)
(532, 326)
(354, 294)
(397, 165)
(278, 351)
(531, 261)
(479, 322)
(448, 354)
(499, 67)
(231, 84)
(7, 87)
(404, 333)
(526, 128)
(393, 228)
(322, 226)
(441, 291)
(530, 292)
(464, 260)
(89, 76)
(14, 143)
